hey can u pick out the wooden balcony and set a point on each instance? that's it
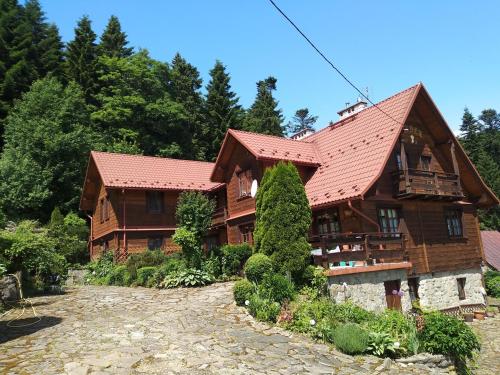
(219, 217)
(359, 249)
(419, 184)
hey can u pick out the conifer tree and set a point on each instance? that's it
(222, 111)
(470, 129)
(81, 56)
(283, 219)
(114, 41)
(264, 116)
(302, 120)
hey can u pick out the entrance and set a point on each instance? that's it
(393, 294)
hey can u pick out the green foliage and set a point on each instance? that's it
(283, 219)
(317, 282)
(257, 266)
(276, 288)
(263, 309)
(492, 281)
(172, 264)
(350, 338)
(190, 277)
(381, 344)
(447, 335)
(101, 268)
(145, 259)
(194, 212)
(242, 291)
(234, 257)
(213, 266)
(400, 328)
(113, 40)
(3, 269)
(70, 234)
(118, 276)
(191, 248)
(145, 276)
(302, 120)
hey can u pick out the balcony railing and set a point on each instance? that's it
(358, 249)
(219, 216)
(414, 183)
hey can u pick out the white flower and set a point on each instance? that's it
(397, 344)
(312, 321)
(93, 272)
(247, 302)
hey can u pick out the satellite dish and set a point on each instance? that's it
(253, 189)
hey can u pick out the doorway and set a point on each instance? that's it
(393, 294)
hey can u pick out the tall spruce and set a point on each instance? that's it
(264, 116)
(222, 111)
(114, 41)
(302, 120)
(81, 58)
(470, 129)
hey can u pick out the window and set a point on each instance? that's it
(244, 183)
(413, 284)
(389, 220)
(399, 162)
(212, 243)
(101, 210)
(154, 202)
(104, 209)
(155, 243)
(246, 233)
(454, 222)
(329, 223)
(461, 288)
(425, 163)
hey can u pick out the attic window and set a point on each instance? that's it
(244, 183)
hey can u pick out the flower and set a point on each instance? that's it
(400, 293)
(397, 344)
(312, 321)
(394, 292)
(247, 302)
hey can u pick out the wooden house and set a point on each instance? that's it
(393, 194)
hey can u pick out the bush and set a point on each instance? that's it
(257, 266)
(263, 309)
(119, 276)
(350, 313)
(213, 266)
(381, 344)
(234, 256)
(147, 258)
(172, 264)
(449, 336)
(243, 290)
(102, 267)
(276, 288)
(190, 277)
(350, 338)
(145, 276)
(316, 282)
(492, 281)
(309, 314)
(191, 248)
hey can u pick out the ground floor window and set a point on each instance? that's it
(246, 232)
(461, 288)
(389, 220)
(413, 284)
(155, 243)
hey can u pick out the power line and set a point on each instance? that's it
(330, 63)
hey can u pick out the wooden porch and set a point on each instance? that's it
(415, 183)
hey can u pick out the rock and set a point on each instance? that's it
(75, 368)
(9, 291)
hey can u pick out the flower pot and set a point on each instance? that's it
(468, 317)
(479, 315)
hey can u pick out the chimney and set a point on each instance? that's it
(302, 134)
(351, 109)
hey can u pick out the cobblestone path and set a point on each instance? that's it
(112, 330)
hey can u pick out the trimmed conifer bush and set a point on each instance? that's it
(350, 338)
(144, 274)
(234, 257)
(257, 266)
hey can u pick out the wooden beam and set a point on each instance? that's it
(404, 165)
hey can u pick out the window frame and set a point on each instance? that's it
(425, 166)
(151, 240)
(244, 183)
(453, 218)
(384, 219)
(461, 281)
(246, 233)
(413, 286)
(159, 207)
(101, 210)
(325, 221)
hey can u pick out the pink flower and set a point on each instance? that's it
(394, 292)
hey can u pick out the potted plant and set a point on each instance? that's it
(479, 314)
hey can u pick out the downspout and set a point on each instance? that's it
(367, 218)
(124, 224)
(91, 235)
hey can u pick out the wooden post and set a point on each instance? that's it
(367, 250)
(455, 163)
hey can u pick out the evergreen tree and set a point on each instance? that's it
(264, 116)
(301, 121)
(51, 56)
(47, 141)
(283, 219)
(114, 40)
(81, 58)
(222, 111)
(470, 129)
(490, 119)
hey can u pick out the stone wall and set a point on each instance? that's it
(9, 290)
(367, 289)
(439, 290)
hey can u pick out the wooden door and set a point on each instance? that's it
(392, 294)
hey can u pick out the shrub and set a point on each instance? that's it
(276, 288)
(263, 309)
(447, 335)
(234, 256)
(350, 338)
(172, 264)
(381, 344)
(243, 289)
(213, 266)
(144, 274)
(188, 278)
(3, 269)
(119, 276)
(257, 266)
(191, 248)
(102, 267)
(145, 259)
(314, 312)
(492, 281)
(350, 313)
(316, 282)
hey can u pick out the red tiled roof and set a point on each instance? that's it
(277, 148)
(147, 172)
(353, 151)
(491, 245)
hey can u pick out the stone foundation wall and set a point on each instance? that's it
(367, 289)
(439, 290)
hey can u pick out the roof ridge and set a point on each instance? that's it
(267, 135)
(338, 122)
(150, 157)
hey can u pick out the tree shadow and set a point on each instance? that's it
(23, 327)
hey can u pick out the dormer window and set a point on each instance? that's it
(425, 162)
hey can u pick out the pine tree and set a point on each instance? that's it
(114, 41)
(301, 121)
(81, 58)
(222, 111)
(490, 119)
(51, 56)
(470, 129)
(283, 218)
(264, 116)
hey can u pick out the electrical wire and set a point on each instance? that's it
(329, 62)
(23, 302)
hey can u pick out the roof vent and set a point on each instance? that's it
(302, 134)
(351, 109)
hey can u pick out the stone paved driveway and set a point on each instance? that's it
(112, 330)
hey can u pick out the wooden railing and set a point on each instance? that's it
(366, 248)
(416, 182)
(219, 216)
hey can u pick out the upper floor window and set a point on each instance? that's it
(154, 202)
(244, 182)
(425, 163)
(399, 161)
(104, 209)
(246, 233)
(389, 220)
(155, 243)
(453, 219)
(329, 223)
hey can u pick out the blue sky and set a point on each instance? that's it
(452, 46)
